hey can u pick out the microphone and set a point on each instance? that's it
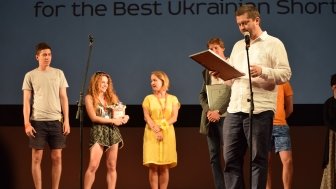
(247, 39)
(90, 39)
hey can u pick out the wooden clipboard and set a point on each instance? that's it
(211, 61)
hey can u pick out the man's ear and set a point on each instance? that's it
(257, 19)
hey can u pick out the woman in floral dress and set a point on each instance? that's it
(104, 134)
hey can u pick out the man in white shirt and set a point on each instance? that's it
(268, 67)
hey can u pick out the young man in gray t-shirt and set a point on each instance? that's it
(46, 113)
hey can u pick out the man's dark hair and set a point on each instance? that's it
(41, 46)
(333, 80)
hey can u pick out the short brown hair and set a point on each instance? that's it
(251, 10)
(41, 46)
(216, 40)
(333, 80)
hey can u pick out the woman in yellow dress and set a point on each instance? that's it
(159, 143)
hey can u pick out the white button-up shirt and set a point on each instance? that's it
(270, 54)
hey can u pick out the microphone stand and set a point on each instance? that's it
(251, 108)
(79, 114)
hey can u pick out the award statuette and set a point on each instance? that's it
(118, 110)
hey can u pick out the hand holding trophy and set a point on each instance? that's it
(119, 112)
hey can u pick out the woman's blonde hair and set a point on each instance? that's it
(163, 77)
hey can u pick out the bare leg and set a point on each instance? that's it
(111, 165)
(36, 167)
(153, 177)
(163, 177)
(287, 168)
(56, 167)
(96, 153)
(269, 173)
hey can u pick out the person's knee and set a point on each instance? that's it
(36, 160)
(93, 166)
(287, 162)
(154, 168)
(111, 166)
(37, 157)
(56, 157)
(163, 170)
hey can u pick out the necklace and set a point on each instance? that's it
(103, 104)
(163, 107)
(163, 122)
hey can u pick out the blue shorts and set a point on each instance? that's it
(50, 132)
(280, 139)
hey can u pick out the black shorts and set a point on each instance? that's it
(50, 132)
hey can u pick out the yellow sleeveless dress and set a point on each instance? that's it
(154, 151)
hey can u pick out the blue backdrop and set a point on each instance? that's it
(133, 38)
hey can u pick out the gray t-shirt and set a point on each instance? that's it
(45, 87)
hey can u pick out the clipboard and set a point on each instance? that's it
(211, 61)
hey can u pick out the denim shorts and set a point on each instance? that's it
(50, 132)
(281, 139)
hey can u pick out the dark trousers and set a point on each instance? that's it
(214, 139)
(236, 139)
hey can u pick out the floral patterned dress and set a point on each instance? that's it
(105, 135)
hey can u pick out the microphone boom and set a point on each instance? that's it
(90, 39)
